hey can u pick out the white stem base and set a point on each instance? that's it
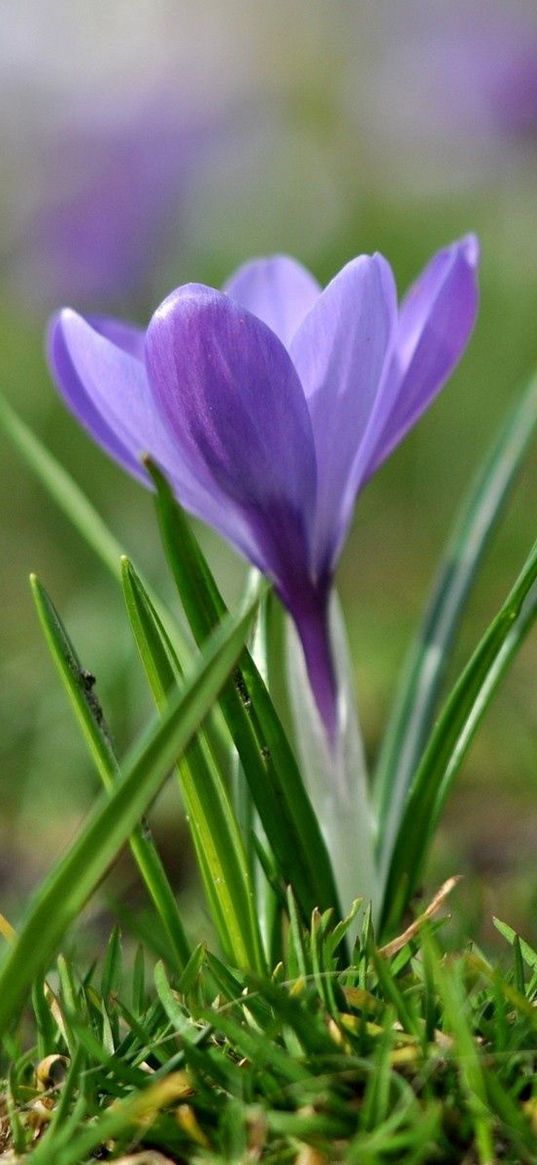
(336, 777)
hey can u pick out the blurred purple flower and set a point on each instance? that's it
(479, 62)
(116, 188)
(269, 405)
(447, 96)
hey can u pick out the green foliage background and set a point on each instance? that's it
(400, 522)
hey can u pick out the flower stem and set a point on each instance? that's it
(330, 748)
(314, 633)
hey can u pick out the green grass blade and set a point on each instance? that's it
(78, 683)
(74, 504)
(416, 700)
(66, 889)
(267, 758)
(527, 952)
(469, 1060)
(61, 487)
(452, 736)
(79, 687)
(216, 835)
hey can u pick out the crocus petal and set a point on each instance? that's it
(435, 322)
(127, 336)
(232, 399)
(277, 290)
(340, 352)
(105, 385)
(69, 374)
(107, 388)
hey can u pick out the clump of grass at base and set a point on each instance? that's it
(408, 1056)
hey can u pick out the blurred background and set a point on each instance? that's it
(148, 144)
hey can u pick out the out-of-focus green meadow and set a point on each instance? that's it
(299, 162)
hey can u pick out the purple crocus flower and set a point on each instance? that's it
(270, 404)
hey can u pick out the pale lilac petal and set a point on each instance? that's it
(340, 352)
(435, 322)
(441, 277)
(77, 393)
(232, 399)
(107, 389)
(277, 290)
(127, 336)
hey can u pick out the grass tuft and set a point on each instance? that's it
(406, 1056)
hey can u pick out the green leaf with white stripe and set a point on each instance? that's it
(416, 700)
(452, 736)
(79, 686)
(74, 504)
(113, 818)
(217, 839)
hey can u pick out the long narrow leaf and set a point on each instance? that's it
(116, 814)
(268, 761)
(162, 667)
(79, 686)
(417, 697)
(452, 736)
(61, 487)
(510, 647)
(215, 832)
(77, 508)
